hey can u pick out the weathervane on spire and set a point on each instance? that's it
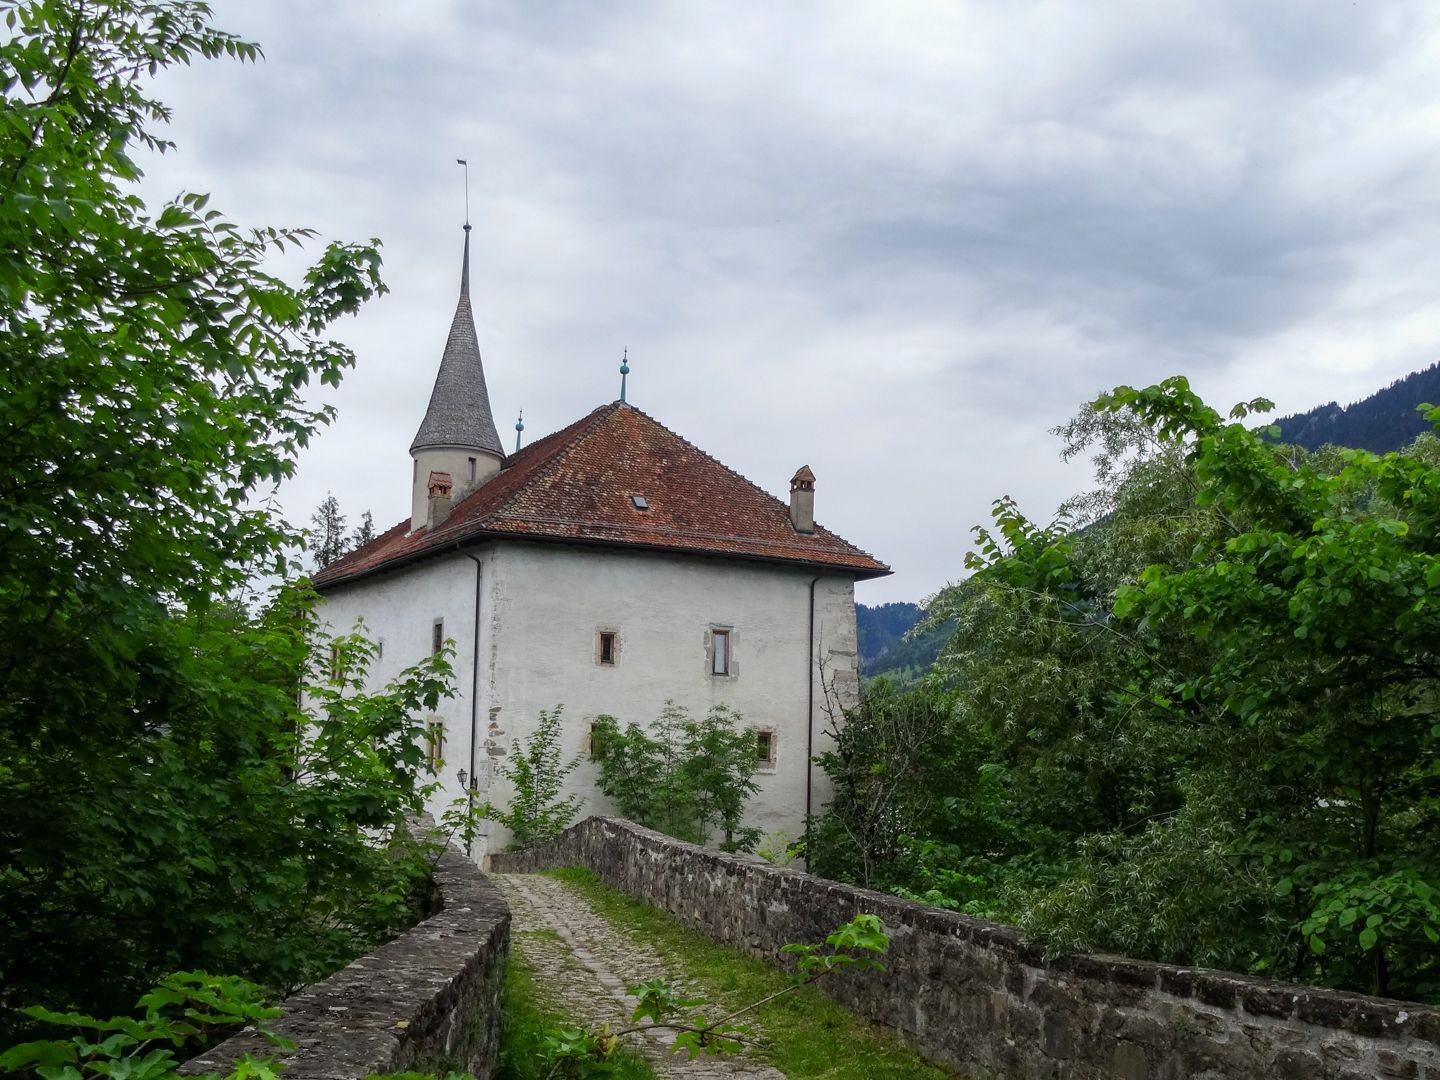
(519, 427)
(624, 371)
(465, 265)
(466, 165)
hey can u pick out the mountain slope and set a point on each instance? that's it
(1386, 420)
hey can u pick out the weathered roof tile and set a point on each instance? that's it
(576, 486)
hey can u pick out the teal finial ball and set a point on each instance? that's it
(520, 424)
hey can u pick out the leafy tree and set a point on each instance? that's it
(1323, 615)
(718, 773)
(538, 774)
(328, 541)
(1194, 718)
(161, 805)
(685, 777)
(884, 791)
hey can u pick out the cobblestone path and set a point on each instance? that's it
(585, 962)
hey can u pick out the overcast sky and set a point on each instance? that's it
(896, 242)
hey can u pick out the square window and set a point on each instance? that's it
(437, 636)
(765, 747)
(435, 744)
(720, 652)
(607, 647)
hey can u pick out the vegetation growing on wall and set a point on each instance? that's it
(537, 772)
(159, 807)
(1194, 720)
(685, 777)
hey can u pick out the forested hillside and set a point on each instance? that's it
(883, 647)
(1386, 420)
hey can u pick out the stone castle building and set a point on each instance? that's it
(608, 567)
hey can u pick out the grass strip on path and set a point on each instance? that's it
(527, 1015)
(806, 1034)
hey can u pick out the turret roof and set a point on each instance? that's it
(459, 411)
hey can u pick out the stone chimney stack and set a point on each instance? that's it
(802, 500)
(439, 508)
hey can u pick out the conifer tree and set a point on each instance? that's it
(328, 542)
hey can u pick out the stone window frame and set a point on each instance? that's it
(767, 764)
(435, 743)
(589, 747)
(614, 635)
(720, 632)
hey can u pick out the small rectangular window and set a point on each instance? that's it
(437, 636)
(765, 747)
(472, 470)
(435, 744)
(334, 661)
(607, 647)
(720, 652)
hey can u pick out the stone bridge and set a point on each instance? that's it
(970, 995)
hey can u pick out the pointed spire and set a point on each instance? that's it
(519, 428)
(624, 371)
(459, 413)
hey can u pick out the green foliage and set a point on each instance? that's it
(583, 1053)
(188, 1008)
(685, 777)
(779, 848)
(538, 1043)
(1194, 719)
(885, 751)
(537, 772)
(164, 804)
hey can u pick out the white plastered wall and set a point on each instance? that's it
(399, 610)
(541, 609)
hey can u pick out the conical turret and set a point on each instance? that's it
(458, 435)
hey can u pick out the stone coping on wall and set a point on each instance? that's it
(429, 1000)
(973, 995)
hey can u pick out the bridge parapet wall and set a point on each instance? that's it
(428, 1001)
(974, 996)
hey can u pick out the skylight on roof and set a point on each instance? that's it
(639, 502)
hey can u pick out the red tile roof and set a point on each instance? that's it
(576, 486)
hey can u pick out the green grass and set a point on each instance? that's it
(806, 1034)
(528, 1015)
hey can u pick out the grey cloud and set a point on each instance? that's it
(930, 231)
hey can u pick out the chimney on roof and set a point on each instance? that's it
(802, 500)
(439, 508)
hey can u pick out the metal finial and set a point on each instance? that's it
(624, 371)
(519, 427)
